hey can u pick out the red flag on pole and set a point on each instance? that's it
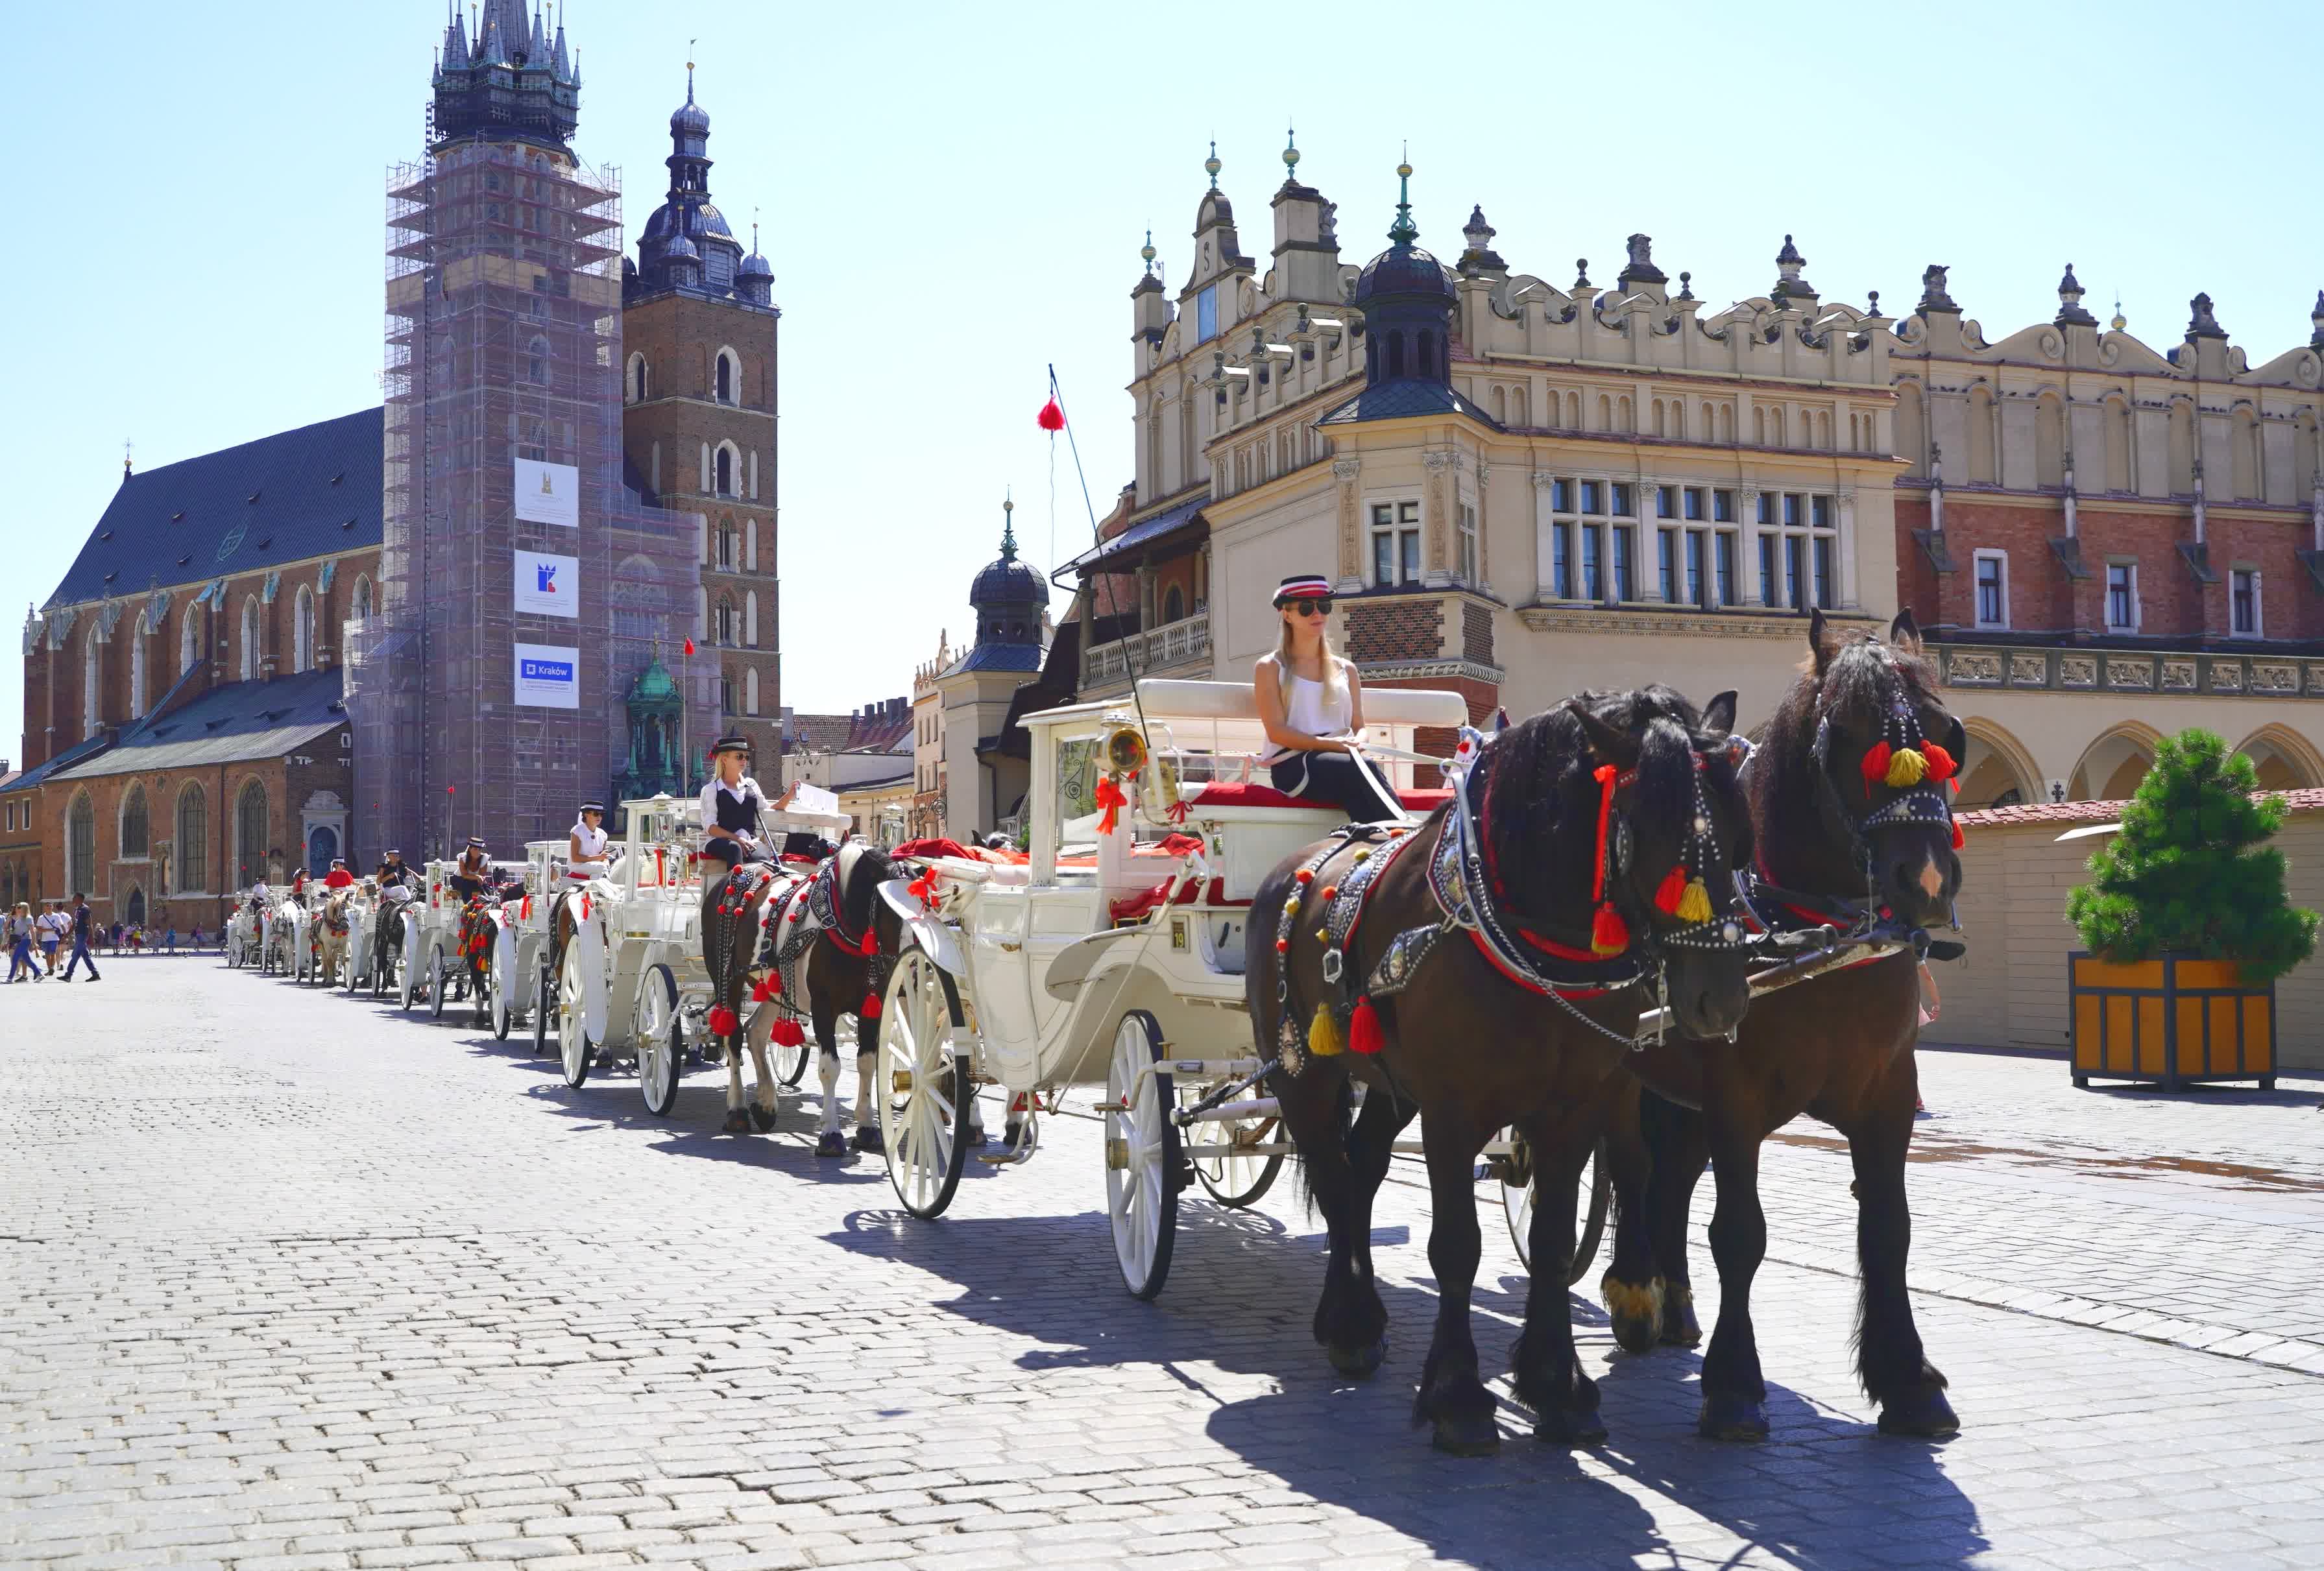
(689, 646)
(1051, 418)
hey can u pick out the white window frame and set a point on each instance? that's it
(1404, 517)
(2138, 608)
(1472, 549)
(733, 364)
(1976, 589)
(2259, 603)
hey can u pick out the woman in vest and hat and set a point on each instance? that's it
(1313, 707)
(584, 843)
(732, 806)
(468, 872)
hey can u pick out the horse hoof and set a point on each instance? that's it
(1562, 1428)
(1680, 1327)
(867, 1139)
(1635, 1333)
(738, 1122)
(763, 1117)
(1008, 1133)
(1924, 1414)
(1358, 1363)
(1731, 1418)
(1467, 1436)
(831, 1143)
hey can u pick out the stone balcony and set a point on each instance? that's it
(1181, 648)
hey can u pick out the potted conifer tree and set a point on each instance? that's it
(2187, 926)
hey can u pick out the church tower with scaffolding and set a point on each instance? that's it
(525, 580)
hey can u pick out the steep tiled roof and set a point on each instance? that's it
(312, 491)
(1405, 397)
(2307, 799)
(226, 725)
(1001, 657)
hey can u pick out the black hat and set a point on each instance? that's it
(395, 850)
(731, 742)
(1304, 586)
(339, 861)
(476, 843)
(593, 807)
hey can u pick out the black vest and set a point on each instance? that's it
(738, 816)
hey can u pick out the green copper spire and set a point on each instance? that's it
(1212, 165)
(1290, 153)
(1147, 251)
(1404, 231)
(1007, 530)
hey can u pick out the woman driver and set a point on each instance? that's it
(1313, 707)
(732, 803)
(584, 843)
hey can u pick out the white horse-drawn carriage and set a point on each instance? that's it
(244, 937)
(522, 987)
(1114, 956)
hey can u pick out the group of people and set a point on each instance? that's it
(50, 929)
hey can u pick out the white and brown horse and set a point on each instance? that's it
(333, 925)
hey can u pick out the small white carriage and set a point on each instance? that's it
(244, 936)
(363, 916)
(1114, 956)
(522, 988)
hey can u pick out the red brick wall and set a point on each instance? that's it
(1394, 627)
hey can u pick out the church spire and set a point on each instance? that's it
(1404, 231)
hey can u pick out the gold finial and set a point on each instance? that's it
(125, 447)
(2120, 321)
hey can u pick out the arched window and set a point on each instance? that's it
(726, 691)
(536, 360)
(750, 691)
(750, 544)
(137, 668)
(722, 470)
(727, 377)
(726, 543)
(135, 834)
(250, 638)
(1174, 605)
(192, 849)
(81, 847)
(637, 379)
(302, 630)
(1396, 354)
(750, 617)
(725, 633)
(362, 599)
(250, 835)
(188, 638)
(134, 912)
(92, 668)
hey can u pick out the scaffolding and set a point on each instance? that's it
(503, 344)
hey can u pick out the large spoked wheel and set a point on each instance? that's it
(924, 1093)
(572, 1032)
(1238, 1180)
(544, 1001)
(661, 1040)
(439, 982)
(502, 1013)
(1141, 1156)
(1589, 1223)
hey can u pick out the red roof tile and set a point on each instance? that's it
(2305, 800)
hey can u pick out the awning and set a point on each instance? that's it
(1183, 524)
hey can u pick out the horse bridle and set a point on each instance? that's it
(1924, 803)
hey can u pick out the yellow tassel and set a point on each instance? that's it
(1365, 855)
(1324, 1038)
(1906, 765)
(1322, 935)
(1694, 905)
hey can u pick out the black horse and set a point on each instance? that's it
(1842, 826)
(1599, 830)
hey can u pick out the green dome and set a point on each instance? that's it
(654, 684)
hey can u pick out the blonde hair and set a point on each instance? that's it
(1332, 685)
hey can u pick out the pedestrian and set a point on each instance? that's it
(170, 938)
(20, 967)
(83, 926)
(51, 923)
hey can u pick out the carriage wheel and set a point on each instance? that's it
(439, 982)
(661, 1040)
(572, 1034)
(1589, 1225)
(503, 1012)
(1141, 1156)
(543, 996)
(924, 1096)
(1238, 1182)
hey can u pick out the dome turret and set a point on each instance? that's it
(1009, 595)
(1406, 298)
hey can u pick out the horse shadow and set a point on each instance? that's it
(1825, 1492)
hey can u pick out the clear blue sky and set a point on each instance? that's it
(953, 198)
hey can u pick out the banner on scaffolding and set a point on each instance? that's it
(547, 676)
(548, 493)
(548, 585)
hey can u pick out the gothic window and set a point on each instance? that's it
(536, 360)
(750, 691)
(726, 545)
(637, 379)
(727, 376)
(726, 620)
(722, 470)
(188, 638)
(362, 599)
(726, 691)
(192, 849)
(250, 638)
(250, 835)
(135, 834)
(302, 630)
(81, 847)
(137, 670)
(750, 617)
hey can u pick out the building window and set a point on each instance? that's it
(188, 638)
(1396, 543)
(2122, 597)
(135, 834)
(1174, 604)
(91, 683)
(250, 835)
(193, 847)
(1206, 315)
(1591, 556)
(137, 668)
(302, 632)
(637, 379)
(728, 376)
(722, 471)
(727, 693)
(362, 599)
(81, 847)
(1798, 542)
(726, 548)
(726, 630)
(1992, 589)
(536, 360)
(2244, 608)
(250, 638)
(1469, 543)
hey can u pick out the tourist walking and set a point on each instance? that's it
(50, 923)
(22, 967)
(82, 927)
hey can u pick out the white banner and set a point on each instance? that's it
(548, 585)
(547, 676)
(548, 493)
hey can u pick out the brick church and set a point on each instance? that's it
(191, 723)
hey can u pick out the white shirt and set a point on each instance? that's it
(1306, 709)
(742, 791)
(592, 842)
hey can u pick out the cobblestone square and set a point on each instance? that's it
(291, 1282)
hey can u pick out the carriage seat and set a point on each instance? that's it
(1251, 794)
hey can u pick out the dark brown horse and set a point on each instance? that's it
(838, 952)
(1574, 868)
(1835, 837)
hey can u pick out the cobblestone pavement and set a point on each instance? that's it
(292, 1283)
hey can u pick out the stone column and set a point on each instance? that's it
(1747, 512)
(1543, 589)
(1484, 480)
(1436, 524)
(1844, 553)
(1345, 471)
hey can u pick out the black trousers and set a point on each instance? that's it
(1339, 780)
(731, 852)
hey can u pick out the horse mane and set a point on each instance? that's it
(858, 900)
(1852, 685)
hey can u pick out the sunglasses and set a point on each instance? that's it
(1309, 607)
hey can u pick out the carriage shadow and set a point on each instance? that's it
(1826, 1492)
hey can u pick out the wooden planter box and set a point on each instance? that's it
(2176, 1018)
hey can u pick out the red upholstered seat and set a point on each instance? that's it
(1251, 794)
(1128, 907)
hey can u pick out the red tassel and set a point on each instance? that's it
(1941, 762)
(763, 989)
(722, 1022)
(788, 1034)
(1364, 1029)
(1608, 934)
(1960, 837)
(870, 1008)
(1051, 418)
(1671, 891)
(1876, 763)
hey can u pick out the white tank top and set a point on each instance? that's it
(1307, 709)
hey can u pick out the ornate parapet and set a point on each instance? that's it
(2133, 673)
